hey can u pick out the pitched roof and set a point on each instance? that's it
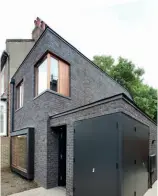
(75, 49)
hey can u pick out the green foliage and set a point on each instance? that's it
(129, 76)
(104, 62)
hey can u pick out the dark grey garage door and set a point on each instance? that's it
(135, 157)
(96, 153)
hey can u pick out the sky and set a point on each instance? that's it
(126, 28)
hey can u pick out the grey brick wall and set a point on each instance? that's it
(88, 84)
(98, 110)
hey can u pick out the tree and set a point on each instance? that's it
(104, 62)
(130, 77)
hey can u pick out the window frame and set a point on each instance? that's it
(36, 74)
(49, 72)
(29, 172)
(17, 165)
(18, 94)
(48, 56)
(4, 104)
(2, 91)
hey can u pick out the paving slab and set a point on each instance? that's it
(58, 191)
(153, 190)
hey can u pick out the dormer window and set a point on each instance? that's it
(52, 73)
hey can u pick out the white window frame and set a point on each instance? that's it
(4, 104)
(20, 95)
(2, 81)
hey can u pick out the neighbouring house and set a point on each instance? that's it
(72, 125)
(15, 52)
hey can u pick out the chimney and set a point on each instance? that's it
(38, 29)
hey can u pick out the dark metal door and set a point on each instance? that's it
(96, 153)
(62, 158)
(129, 157)
(135, 157)
(142, 152)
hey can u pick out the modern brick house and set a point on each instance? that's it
(54, 88)
(11, 58)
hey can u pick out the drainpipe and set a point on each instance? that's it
(12, 82)
(12, 105)
(8, 94)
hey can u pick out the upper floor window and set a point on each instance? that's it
(2, 75)
(3, 118)
(52, 73)
(20, 95)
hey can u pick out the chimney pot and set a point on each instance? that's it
(38, 22)
(39, 28)
(35, 22)
(43, 25)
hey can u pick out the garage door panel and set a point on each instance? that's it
(142, 136)
(96, 152)
(135, 157)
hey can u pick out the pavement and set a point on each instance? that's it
(153, 190)
(60, 191)
(13, 183)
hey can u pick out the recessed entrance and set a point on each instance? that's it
(61, 135)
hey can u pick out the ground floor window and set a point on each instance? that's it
(19, 152)
(22, 152)
(3, 118)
